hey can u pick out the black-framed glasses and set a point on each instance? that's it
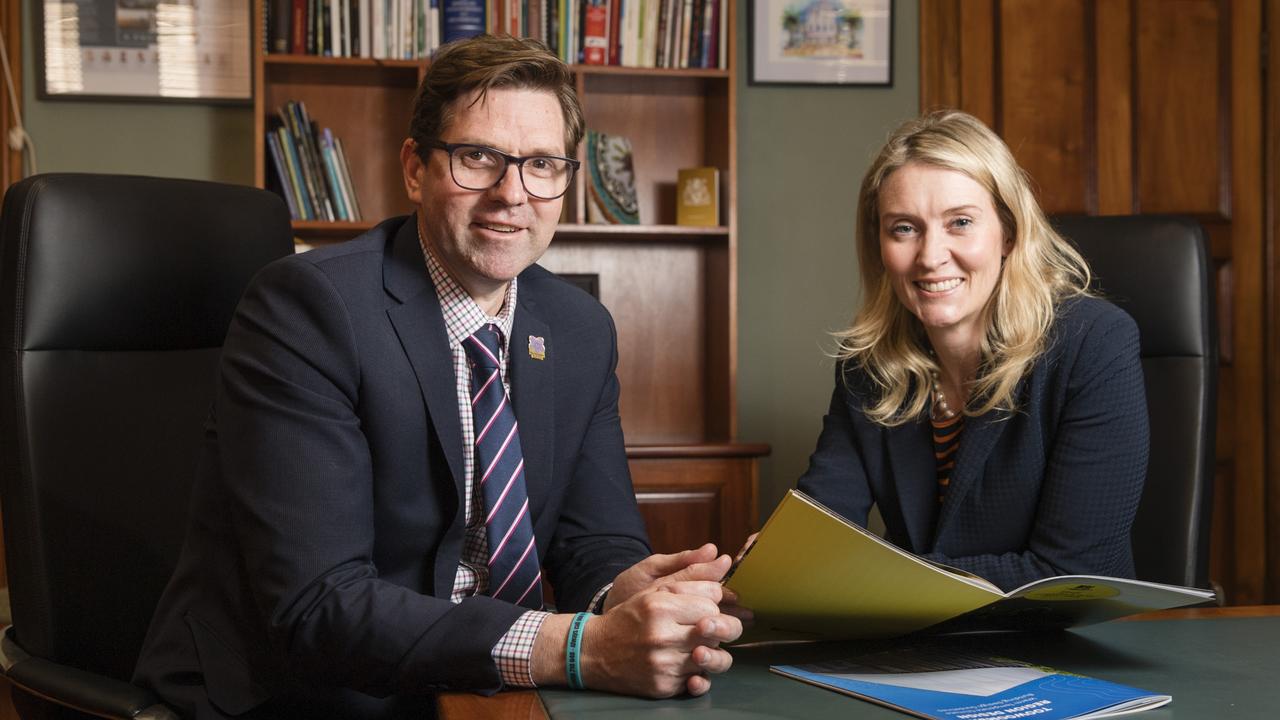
(480, 167)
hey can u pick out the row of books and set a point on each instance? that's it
(311, 167)
(655, 33)
(383, 29)
(633, 33)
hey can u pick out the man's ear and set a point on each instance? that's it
(414, 170)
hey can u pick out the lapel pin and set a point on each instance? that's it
(537, 348)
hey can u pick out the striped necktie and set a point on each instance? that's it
(514, 573)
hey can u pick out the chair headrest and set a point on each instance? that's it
(1155, 267)
(165, 253)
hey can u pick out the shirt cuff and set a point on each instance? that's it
(597, 601)
(513, 651)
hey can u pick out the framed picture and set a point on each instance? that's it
(821, 42)
(181, 50)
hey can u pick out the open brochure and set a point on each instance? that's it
(955, 686)
(811, 574)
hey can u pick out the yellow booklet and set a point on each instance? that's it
(698, 197)
(811, 574)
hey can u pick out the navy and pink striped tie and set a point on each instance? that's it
(514, 573)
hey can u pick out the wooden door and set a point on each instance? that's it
(10, 159)
(1143, 106)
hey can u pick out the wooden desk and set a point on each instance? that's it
(1105, 651)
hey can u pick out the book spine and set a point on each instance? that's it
(408, 30)
(353, 201)
(331, 175)
(353, 28)
(723, 45)
(685, 22)
(695, 33)
(282, 175)
(712, 56)
(297, 183)
(312, 19)
(595, 32)
(279, 19)
(673, 32)
(298, 28)
(616, 9)
(534, 21)
(462, 19)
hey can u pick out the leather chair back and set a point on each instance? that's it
(1157, 269)
(115, 295)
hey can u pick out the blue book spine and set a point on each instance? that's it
(291, 150)
(331, 174)
(462, 19)
(282, 174)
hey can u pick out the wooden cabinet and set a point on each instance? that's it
(672, 289)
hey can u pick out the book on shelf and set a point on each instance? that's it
(946, 684)
(310, 166)
(462, 19)
(283, 184)
(698, 196)
(812, 574)
(595, 32)
(353, 201)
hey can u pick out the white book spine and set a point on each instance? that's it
(366, 36)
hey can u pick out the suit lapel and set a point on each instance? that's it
(533, 394)
(419, 324)
(976, 442)
(914, 475)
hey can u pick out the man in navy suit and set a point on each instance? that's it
(343, 557)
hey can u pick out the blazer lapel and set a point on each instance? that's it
(976, 442)
(533, 395)
(419, 324)
(914, 474)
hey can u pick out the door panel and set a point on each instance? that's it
(1152, 106)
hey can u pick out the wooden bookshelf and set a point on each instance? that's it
(671, 289)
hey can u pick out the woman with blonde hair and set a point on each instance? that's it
(985, 402)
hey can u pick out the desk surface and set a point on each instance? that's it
(1216, 662)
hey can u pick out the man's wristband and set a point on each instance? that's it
(573, 651)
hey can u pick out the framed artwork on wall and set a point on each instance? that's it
(821, 42)
(154, 50)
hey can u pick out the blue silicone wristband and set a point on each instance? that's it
(573, 651)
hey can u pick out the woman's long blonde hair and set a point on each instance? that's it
(1041, 269)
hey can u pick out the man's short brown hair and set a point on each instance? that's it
(486, 62)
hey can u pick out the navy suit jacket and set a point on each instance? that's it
(327, 522)
(1050, 490)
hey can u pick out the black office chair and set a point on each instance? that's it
(115, 295)
(1157, 269)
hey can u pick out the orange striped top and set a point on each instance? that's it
(946, 441)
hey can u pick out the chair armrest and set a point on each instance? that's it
(78, 689)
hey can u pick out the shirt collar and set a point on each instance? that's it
(462, 316)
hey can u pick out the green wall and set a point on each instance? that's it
(167, 139)
(801, 155)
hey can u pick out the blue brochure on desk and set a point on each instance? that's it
(946, 685)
